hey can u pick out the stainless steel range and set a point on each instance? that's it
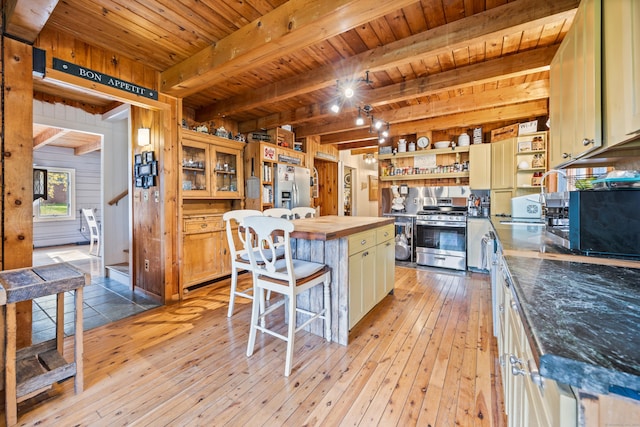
(441, 233)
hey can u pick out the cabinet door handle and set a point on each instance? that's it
(386, 234)
(587, 141)
(363, 242)
(388, 244)
(566, 155)
(515, 371)
(203, 225)
(536, 378)
(365, 253)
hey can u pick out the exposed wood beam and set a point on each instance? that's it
(498, 22)
(295, 24)
(25, 19)
(491, 98)
(94, 145)
(362, 138)
(529, 62)
(48, 136)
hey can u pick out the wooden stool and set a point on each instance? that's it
(31, 370)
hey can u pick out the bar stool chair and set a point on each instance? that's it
(278, 213)
(239, 258)
(303, 212)
(289, 277)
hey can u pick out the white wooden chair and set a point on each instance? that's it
(302, 212)
(278, 213)
(93, 230)
(239, 258)
(289, 277)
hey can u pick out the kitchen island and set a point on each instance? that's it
(580, 317)
(360, 252)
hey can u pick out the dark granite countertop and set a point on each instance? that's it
(582, 318)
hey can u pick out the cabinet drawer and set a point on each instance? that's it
(203, 224)
(361, 241)
(384, 233)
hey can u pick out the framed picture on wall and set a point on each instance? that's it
(139, 182)
(137, 159)
(148, 156)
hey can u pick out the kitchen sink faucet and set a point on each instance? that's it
(542, 197)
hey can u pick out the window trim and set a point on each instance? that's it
(71, 197)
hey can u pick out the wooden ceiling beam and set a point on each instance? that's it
(94, 145)
(488, 99)
(294, 25)
(48, 136)
(517, 65)
(482, 117)
(498, 22)
(25, 19)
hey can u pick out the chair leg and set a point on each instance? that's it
(232, 294)
(255, 308)
(291, 335)
(327, 309)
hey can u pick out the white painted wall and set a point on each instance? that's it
(359, 183)
(107, 175)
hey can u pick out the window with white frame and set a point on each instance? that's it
(61, 196)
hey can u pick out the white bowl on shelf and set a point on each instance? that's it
(442, 144)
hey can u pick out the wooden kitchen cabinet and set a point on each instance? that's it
(529, 399)
(371, 270)
(621, 50)
(503, 169)
(480, 166)
(205, 251)
(385, 262)
(362, 275)
(212, 167)
(576, 87)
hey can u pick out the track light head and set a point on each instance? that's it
(335, 107)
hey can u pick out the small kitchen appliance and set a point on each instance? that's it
(526, 207)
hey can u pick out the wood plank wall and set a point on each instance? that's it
(154, 229)
(17, 158)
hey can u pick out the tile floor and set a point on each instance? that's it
(105, 300)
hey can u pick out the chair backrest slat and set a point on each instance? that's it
(260, 232)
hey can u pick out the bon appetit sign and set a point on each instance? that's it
(95, 76)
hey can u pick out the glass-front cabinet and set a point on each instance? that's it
(195, 169)
(225, 171)
(211, 166)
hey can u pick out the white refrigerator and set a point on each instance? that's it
(292, 186)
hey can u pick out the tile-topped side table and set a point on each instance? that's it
(33, 369)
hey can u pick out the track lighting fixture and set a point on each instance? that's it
(346, 90)
(360, 119)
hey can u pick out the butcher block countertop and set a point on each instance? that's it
(334, 227)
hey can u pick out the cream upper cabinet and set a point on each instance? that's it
(575, 103)
(502, 164)
(621, 41)
(480, 166)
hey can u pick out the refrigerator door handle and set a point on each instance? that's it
(294, 196)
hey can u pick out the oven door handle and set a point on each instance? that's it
(442, 224)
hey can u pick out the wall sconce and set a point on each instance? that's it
(144, 137)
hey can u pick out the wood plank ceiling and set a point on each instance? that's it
(432, 64)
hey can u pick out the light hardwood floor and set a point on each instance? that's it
(425, 356)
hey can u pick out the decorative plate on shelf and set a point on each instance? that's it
(423, 142)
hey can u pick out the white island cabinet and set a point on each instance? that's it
(360, 252)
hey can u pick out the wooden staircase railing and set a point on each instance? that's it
(119, 197)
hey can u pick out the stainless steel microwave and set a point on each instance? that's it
(605, 222)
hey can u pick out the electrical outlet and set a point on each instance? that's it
(146, 265)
